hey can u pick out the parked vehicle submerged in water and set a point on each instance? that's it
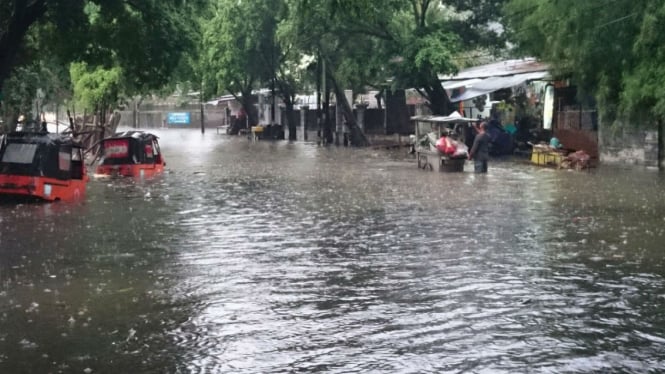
(131, 154)
(41, 166)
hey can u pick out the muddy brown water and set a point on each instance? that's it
(278, 257)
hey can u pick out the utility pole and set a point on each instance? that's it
(318, 100)
(203, 130)
(324, 104)
(272, 83)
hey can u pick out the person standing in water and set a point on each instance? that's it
(480, 151)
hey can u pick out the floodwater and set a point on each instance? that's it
(277, 257)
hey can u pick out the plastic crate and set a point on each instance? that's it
(546, 157)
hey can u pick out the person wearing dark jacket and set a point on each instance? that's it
(480, 151)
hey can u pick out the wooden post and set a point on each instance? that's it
(339, 123)
(203, 130)
(361, 110)
(303, 121)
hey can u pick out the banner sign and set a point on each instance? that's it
(548, 108)
(178, 118)
(118, 148)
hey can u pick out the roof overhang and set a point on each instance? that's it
(498, 69)
(492, 84)
(450, 85)
(221, 100)
(455, 117)
(483, 79)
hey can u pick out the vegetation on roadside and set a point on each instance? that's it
(129, 49)
(141, 41)
(611, 49)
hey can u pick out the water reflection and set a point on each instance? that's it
(277, 257)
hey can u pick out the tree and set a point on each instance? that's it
(409, 43)
(16, 17)
(609, 48)
(344, 56)
(144, 38)
(48, 78)
(433, 37)
(236, 43)
(96, 88)
(424, 47)
(288, 79)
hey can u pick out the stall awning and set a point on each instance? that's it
(454, 117)
(221, 100)
(449, 85)
(491, 84)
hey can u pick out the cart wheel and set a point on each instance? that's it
(422, 162)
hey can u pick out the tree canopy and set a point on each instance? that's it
(230, 46)
(407, 43)
(239, 49)
(609, 48)
(143, 40)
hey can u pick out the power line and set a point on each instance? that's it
(554, 21)
(616, 20)
(551, 21)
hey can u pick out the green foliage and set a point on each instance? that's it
(48, 78)
(236, 46)
(643, 85)
(239, 46)
(349, 35)
(21, 89)
(145, 40)
(95, 87)
(609, 48)
(424, 57)
(408, 43)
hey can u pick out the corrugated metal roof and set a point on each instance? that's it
(498, 69)
(449, 85)
(496, 83)
(221, 99)
(452, 118)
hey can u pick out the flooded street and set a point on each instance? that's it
(277, 257)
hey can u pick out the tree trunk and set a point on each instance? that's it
(288, 95)
(291, 120)
(113, 122)
(135, 112)
(357, 137)
(250, 110)
(661, 137)
(22, 17)
(378, 97)
(327, 123)
(397, 118)
(439, 102)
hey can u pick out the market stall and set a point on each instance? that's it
(440, 142)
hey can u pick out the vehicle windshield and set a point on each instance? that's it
(17, 153)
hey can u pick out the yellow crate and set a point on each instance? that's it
(546, 157)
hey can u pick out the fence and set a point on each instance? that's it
(158, 118)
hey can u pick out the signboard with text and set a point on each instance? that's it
(178, 118)
(116, 148)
